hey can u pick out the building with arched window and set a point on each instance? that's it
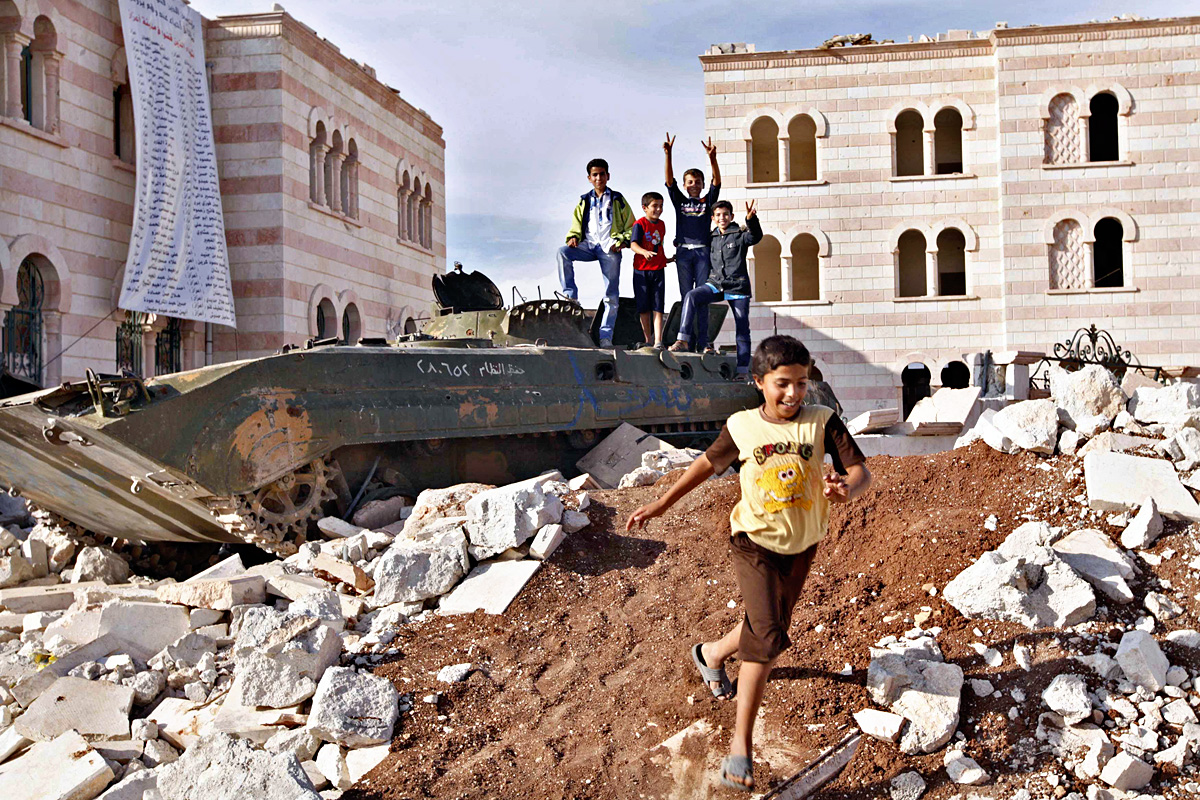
(966, 192)
(312, 148)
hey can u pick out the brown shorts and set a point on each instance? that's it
(770, 584)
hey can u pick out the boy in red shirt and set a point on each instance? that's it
(649, 263)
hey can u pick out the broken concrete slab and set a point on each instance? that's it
(335, 528)
(220, 767)
(619, 453)
(490, 587)
(1142, 660)
(343, 572)
(25, 599)
(508, 516)
(1030, 425)
(873, 421)
(331, 761)
(15, 569)
(963, 769)
(436, 504)
(1144, 528)
(96, 709)
(1023, 541)
(1125, 772)
(29, 688)
(145, 628)
(256, 724)
(353, 708)
(182, 722)
(1090, 398)
(362, 760)
(1094, 556)
(1116, 443)
(1045, 594)
(99, 564)
(411, 571)
(927, 693)
(1164, 403)
(226, 568)
(11, 742)
(960, 406)
(138, 785)
(279, 658)
(220, 594)
(546, 542)
(322, 604)
(881, 725)
(1117, 482)
(63, 769)
(583, 481)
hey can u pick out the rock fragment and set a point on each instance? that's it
(1101, 563)
(1142, 661)
(220, 767)
(1067, 696)
(96, 709)
(220, 594)
(1126, 773)
(1144, 528)
(413, 571)
(509, 516)
(964, 770)
(279, 658)
(1030, 425)
(879, 724)
(354, 709)
(66, 767)
(99, 564)
(907, 786)
(927, 693)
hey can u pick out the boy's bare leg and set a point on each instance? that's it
(644, 317)
(752, 683)
(658, 327)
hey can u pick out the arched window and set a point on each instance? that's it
(351, 324)
(333, 172)
(168, 348)
(768, 275)
(410, 325)
(428, 229)
(1102, 129)
(350, 181)
(764, 151)
(802, 149)
(124, 141)
(326, 319)
(910, 143)
(40, 73)
(1067, 256)
(952, 262)
(914, 380)
(947, 142)
(402, 227)
(955, 375)
(806, 270)
(317, 158)
(1062, 131)
(1108, 257)
(911, 263)
(413, 216)
(23, 324)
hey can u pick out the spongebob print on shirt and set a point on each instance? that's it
(784, 484)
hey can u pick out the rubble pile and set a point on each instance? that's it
(241, 678)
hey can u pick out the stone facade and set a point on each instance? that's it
(308, 243)
(975, 192)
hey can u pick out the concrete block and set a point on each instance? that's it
(343, 572)
(362, 760)
(1126, 773)
(95, 709)
(25, 599)
(1031, 425)
(964, 770)
(1142, 660)
(335, 528)
(490, 587)
(882, 725)
(11, 742)
(99, 564)
(63, 769)
(182, 722)
(1144, 528)
(220, 594)
(1101, 563)
(145, 628)
(1117, 482)
(220, 767)
(201, 617)
(619, 453)
(227, 568)
(354, 709)
(1067, 696)
(546, 542)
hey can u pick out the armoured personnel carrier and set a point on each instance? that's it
(256, 450)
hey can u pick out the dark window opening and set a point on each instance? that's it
(912, 264)
(1108, 254)
(952, 262)
(955, 375)
(27, 84)
(914, 381)
(1102, 129)
(947, 142)
(910, 144)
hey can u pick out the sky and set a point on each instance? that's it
(527, 93)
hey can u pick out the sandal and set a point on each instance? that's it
(710, 351)
(723, 692)
(737, 767)
(679, 346)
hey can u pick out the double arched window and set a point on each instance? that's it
(414, 208)
(788, 267)
(1085, 126)
(1089, 251)
(783, 148)
(928, 140)
(932, 261)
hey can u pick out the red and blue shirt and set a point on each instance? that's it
(650, 235)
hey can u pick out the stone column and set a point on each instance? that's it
(335, 185)
(749, 161)
(52, 333)
(931, 273)
(322, 152)
(51, 62)
(352, 211)
(785, 160)
(13, 44)
(786, 290)
(930, 166)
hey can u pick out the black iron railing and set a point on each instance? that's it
(1086, 346)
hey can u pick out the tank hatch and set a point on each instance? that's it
(459, 291)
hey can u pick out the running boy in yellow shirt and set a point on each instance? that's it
(775, 527)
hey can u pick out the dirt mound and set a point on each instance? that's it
(588, 670)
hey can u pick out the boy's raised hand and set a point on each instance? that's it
(750, 211)
(709, 148)
(836, 490)
(638, 518)
(668, 144)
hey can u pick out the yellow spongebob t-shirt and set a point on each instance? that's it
(783, 505)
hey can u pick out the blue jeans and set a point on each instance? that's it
(695, 312)
(610, 268)
(693, 266)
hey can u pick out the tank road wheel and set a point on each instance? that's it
(275, 517)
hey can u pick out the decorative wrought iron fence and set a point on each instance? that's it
(1091, 345)
(129, 344)
(23, 326)
(168, 348)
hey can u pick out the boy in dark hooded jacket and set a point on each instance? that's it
(729, 279)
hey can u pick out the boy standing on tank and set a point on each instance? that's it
(649, 265)
(693, 217)
(600, 228)
(782, 514)
(729, 279)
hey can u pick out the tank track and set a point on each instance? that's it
(275, 518)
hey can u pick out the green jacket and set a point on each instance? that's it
(622, 223)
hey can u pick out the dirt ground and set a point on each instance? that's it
(588, 671)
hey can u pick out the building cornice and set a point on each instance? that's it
(284, 25)
(956, 48)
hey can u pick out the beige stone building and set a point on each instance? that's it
(332, 187)
(976, 192)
